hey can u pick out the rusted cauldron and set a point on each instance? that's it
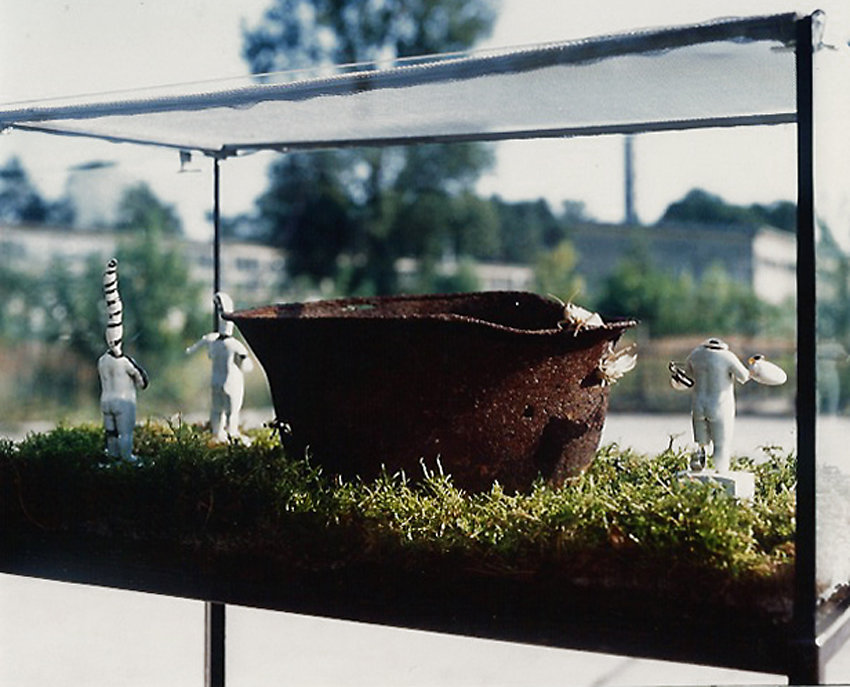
(487, 383)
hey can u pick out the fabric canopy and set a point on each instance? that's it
(724, 73)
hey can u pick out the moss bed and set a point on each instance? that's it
(251, 517)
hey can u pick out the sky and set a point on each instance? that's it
(50, 48)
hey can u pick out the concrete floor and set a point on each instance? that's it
(63, 634)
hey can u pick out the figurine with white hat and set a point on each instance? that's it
(710, 373)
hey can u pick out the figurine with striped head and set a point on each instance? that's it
(114, 309)
(120, 375)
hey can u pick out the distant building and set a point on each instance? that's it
(252, 274)
(492, 276)
(94, 190)
(761, 257)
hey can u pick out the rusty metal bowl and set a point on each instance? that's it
(487, 384)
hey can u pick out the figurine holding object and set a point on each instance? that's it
(710, 373)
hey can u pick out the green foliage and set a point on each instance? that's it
(141, 209)
(702, 207)
(303, 33)
(627, 510)
(306, 211)
(668, 304)
(65, 311)
(555, 273)
(161, 313)
(349, 215)
(20, 202)
(435, 278)
(529, 227)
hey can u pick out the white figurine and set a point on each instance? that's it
(710, 373)
(230, 360)
(119, 375)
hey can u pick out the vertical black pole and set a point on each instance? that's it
(214, 617)
(214, 645)
(216, 226)
(805, 668)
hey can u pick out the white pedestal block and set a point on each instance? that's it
(741, 485)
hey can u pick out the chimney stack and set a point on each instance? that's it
(631, 215)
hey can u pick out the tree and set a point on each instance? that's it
(350, 210)
(782, 214)
(307, 212)
(555, 273)
(161, 302)
(529, 227)
(671, 304)
(702, 207)
(638, 289)
(20, 202)
(699, 206)
(296, 34)
(139, 208)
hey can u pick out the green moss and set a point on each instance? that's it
(628, 512)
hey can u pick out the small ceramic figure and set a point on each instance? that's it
(120, 375)
(230, 359)
(710, 373)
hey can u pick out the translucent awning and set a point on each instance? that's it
(725, 73)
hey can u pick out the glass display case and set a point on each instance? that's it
(752, 72)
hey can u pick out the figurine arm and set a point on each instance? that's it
(740, 371)
(203, 341)
(242, 358)
(138, 374)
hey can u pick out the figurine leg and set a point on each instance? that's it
(217, 414)
(702, 436)
(234, 405)
(721, 434)
(233, 423)
(217, 422)
(126, 423)
(110, 427)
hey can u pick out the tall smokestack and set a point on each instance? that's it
(631, 215)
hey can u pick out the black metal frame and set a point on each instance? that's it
(802, 654)
(214, 613)
(809, 652)
(807, 662)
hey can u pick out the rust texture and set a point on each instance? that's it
(486, 383)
